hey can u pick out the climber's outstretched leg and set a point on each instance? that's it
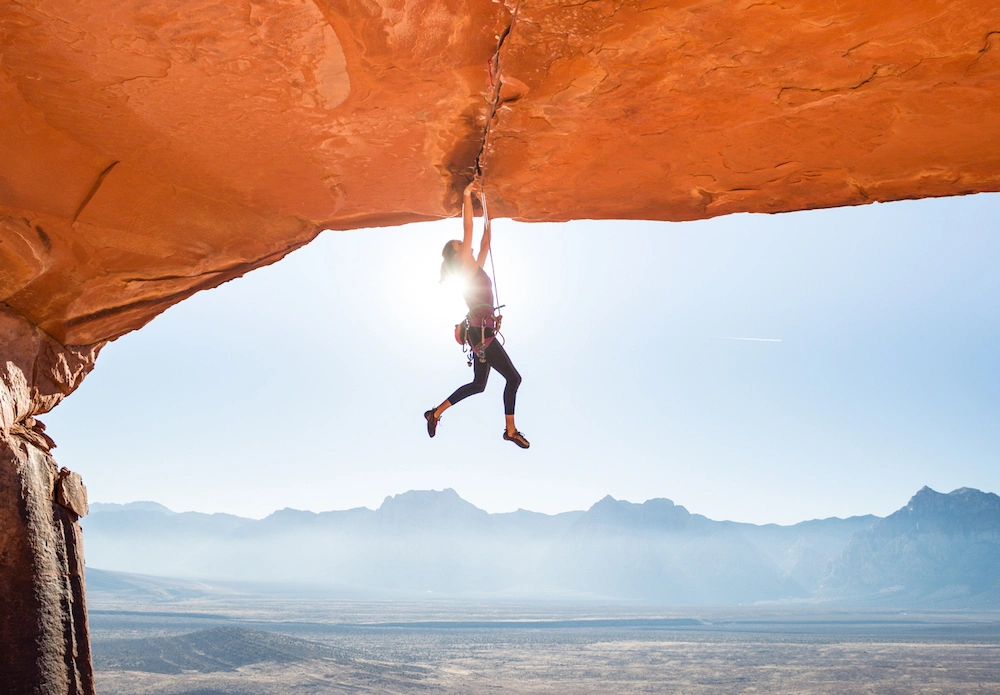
(477, 385)
(498, 359)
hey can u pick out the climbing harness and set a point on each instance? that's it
(463, 336)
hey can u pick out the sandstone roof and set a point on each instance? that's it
(151, 149)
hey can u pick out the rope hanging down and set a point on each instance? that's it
(487, 230)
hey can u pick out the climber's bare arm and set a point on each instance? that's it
(484, 245)
(467, 220)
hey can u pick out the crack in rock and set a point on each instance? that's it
(93, 189)
(496, 82)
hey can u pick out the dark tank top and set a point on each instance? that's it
(479, 298)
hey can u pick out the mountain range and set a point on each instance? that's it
(941, 550)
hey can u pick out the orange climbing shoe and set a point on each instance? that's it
(432, 422)
(517, 438)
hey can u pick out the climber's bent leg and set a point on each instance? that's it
(497, 358)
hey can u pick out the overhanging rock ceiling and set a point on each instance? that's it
(152, 149)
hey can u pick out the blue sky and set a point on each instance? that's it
(303, 384)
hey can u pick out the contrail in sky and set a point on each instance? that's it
(756, 340)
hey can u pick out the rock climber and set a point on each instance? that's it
(480, 328)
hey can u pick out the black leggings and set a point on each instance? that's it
(496, 357)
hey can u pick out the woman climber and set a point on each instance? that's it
(481, 325)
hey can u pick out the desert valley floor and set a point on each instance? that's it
(255, 645)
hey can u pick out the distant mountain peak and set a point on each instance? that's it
(422, 506)
(142, 506)
(423, 496)
(659, 502)
(658, 513)
(938, 548)
(963, 500)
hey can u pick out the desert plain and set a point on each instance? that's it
(255, 645)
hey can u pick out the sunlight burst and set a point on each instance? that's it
(455, 285)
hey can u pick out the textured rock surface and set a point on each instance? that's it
(681, 110)
(44, 649)
(939, 550)
(153, 149)
(44, 644)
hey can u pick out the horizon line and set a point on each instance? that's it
(522, 509)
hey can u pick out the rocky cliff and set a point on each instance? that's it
(44, 646)
(939, 550)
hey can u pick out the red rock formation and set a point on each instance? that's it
(152, 149)
(691, 109)
(44, 649)
(163, 149)
(149, 150)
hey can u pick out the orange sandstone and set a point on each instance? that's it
(150, 149)
(691, 109)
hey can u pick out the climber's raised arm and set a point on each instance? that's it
(484, 245)
(467, 218)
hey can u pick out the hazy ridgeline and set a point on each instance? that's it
(428, 594)
(938, 551)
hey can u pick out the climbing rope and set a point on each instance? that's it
(493, 269)
(486, 229)
(492, 66)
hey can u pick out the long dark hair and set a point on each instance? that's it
(450, 264)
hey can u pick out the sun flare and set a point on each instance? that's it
(455, 285)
